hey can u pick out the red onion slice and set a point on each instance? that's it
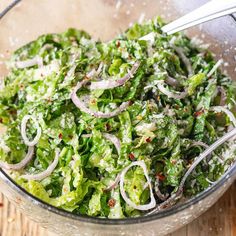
(145, 207)
(114, 184)
(94, 72)
(114, 140)
(21, 164)
(209, 181)
(168, 93)
(31, 62)
(82, 106)
(109, 84)
(23, 131)
(172, 82)
(226, 111)
(158, 192)
(199, 143)
(47, 172)
(208, 151)
(171, 200)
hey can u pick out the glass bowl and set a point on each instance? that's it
(104, 19)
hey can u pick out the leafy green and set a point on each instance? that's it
(155, 128)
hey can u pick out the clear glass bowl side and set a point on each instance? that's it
(104, 19)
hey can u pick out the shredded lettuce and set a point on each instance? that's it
(154, 128)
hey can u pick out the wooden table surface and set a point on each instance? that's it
(220, 220)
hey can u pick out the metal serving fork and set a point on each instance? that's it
(207, 12)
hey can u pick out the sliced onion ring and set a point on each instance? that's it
(208, 151)
(45, 173)
(109, 84)
(145, 207)
(82, 106)
(171, 200)
(171, 81)
(199, 143)
(114, 140)
(226, 111)
(114, 184)
(21, 164)
(175, 95)
(23, 131)
(158, 192)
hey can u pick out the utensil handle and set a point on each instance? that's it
(209, 11)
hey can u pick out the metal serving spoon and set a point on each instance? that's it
(207, 12)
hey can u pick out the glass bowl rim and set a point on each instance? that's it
(231, 172)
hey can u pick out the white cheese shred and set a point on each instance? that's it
(215, 67)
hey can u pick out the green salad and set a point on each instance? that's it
(117, 129)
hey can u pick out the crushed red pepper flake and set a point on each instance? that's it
(13, 112)
(1, 204)
(131, 156)
(111, 202)
(108, 127)
(117, 44)
(198, 113)
(49, 100)
(130, 103)
(60, 136)
(93, 101)
(160, 176)
(148, 140)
